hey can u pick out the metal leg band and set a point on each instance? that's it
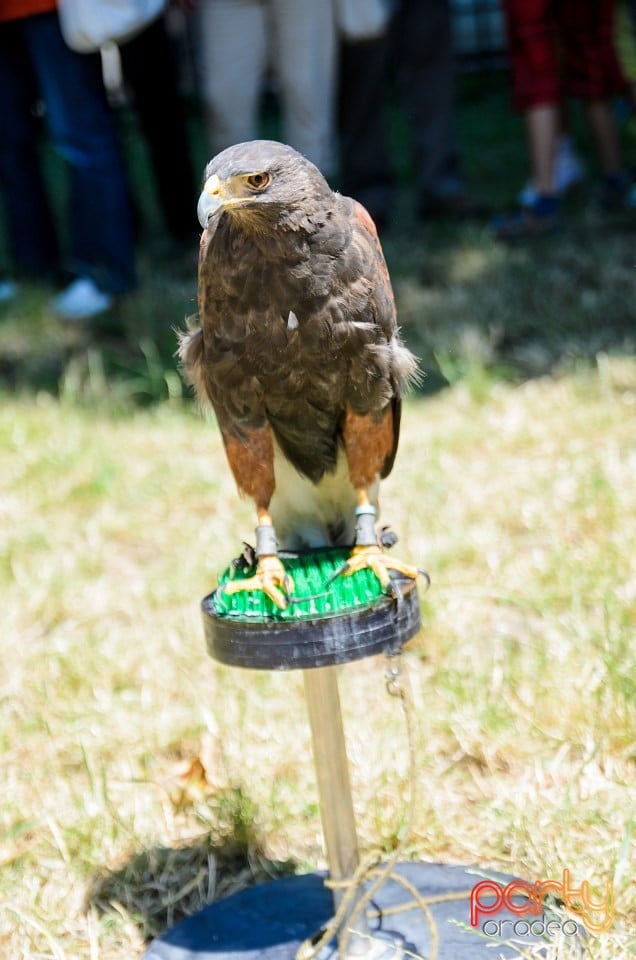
(266, 545)
(365, 528)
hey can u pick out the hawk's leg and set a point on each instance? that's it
(367, 552)
(369, 445)
(271, 576)
(251, 459)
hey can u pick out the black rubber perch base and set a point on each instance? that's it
(266, 644)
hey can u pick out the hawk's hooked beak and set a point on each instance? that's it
(212, 199)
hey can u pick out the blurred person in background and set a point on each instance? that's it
(239, 40)
(416, 52)
(150, 73)
(366, 168)
(37, 66)
(560, 49)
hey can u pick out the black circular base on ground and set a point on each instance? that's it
(325, 641)
(271, 921)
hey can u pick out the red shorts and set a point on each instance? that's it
(562, 48)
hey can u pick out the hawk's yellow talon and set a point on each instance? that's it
(270, 577)
(373, 558)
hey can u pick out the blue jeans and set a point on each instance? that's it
(35, 63)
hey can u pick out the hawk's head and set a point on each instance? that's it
(260, 184)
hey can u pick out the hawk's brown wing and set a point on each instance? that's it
(389, 428)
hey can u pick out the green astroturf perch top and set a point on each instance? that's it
(313, 595)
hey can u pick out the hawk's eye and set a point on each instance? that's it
(258, 181)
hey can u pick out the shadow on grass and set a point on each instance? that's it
(469, 307)
(124, 358)
(158, 887)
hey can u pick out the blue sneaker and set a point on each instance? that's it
(538, 220)
(9, 290)
(568, 173)
(81, 300)
(614, 193)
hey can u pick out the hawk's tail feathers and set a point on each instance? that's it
(190, 354)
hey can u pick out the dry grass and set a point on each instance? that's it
(140, 779)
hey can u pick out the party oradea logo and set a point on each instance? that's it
(527, 901)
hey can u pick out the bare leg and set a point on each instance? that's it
(605, 133)
(542, 128)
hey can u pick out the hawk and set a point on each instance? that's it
(299, 354)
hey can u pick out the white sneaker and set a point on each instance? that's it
(568, 171)
(81, 300)
(8, 290)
